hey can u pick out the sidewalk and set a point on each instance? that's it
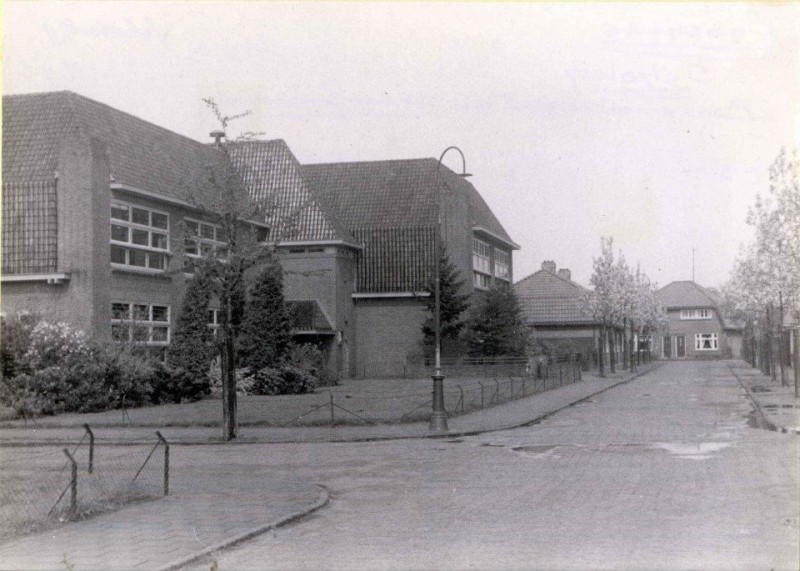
(501, 417)
(776, 405)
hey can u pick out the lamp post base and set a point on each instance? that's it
(438, 421)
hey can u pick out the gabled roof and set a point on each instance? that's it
(141, 155)
(549, 299)
(685, 295)
(395, 193)
(273, 178)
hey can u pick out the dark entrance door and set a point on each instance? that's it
(680, 342)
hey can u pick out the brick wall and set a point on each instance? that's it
(388, 332)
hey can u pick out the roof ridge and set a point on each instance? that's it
(372, 162)
(73, 97)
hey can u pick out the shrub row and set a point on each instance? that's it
(52, 368)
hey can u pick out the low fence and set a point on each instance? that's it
(42, 486)
(488, 367)
(489, 384)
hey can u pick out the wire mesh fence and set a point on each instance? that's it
(42, 486)
(488, 385)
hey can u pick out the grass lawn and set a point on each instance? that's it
(376, 400)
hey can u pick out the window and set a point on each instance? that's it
(695, 314)
(481, 281)
(481, 256)
(705, 342)
(502, 264)
(140, 323)
(213, 321)
(200, 240)
(139, 237)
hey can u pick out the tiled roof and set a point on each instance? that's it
(272, 175)
(684, 295)
(394, 193)
(141, 155)
(549, 299)
(392, 208)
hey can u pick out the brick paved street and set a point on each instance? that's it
(659, 473)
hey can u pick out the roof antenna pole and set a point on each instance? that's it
(693, 251)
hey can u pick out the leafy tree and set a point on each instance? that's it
(496, 326)
(452, 304)
(766, 273)
(265, 333)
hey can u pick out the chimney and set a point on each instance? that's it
(565, 273)
(217, 136)
(549, 265)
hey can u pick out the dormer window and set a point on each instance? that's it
(695, 314)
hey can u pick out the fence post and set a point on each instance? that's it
(166, 461)
(481, 384)
(73, 484)
(330, 394)
(512, 387)
(497, 391)
(91, 447)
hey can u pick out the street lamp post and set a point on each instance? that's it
(438, 422)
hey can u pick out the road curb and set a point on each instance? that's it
(541, 417)
(323, 500)
(763, 419)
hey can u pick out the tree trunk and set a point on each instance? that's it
(626, 356)
(612, 347)
(600, 352)
(781, 344)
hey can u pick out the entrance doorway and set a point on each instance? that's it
(680, 344)
(674, 346)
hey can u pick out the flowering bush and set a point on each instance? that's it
(287, 380)
(55, 344)
(61, 370)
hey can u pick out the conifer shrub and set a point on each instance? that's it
(265, 330)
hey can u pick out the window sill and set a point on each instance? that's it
(157, 274)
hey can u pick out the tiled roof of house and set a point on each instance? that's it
(141, 155)
(394, 193)
(273, 177)
(391, 207)
(685, 295)
(549, 299)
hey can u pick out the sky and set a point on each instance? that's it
(652, 123)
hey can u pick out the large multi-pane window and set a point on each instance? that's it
(201, 240)
(139, 237)
(706, 342)
(140, 323)
(502, 264)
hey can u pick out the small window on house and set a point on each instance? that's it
(695, 314)
(502, 264)
(262, 234)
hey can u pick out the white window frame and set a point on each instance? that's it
(687, 314)
(149, 323)
(700, 338)
(481, 256)
(502, 264)
(198, 239)
(213, 324)
(129, 246)
(481, 280)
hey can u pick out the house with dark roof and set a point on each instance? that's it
(395, 209)
(696, 326)
(102, 215)
(552, 307)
